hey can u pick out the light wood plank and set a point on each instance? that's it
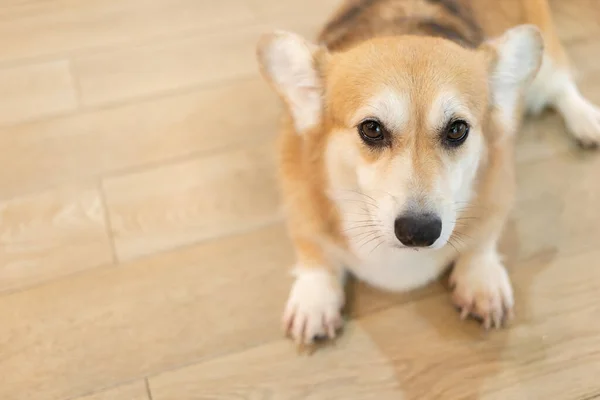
(132, 391)
(184, 61)
(273, 10)
(557, 207)
(585, 66)
(180, 204)
(552, 350)
(352, 369)
(542, 137)
(307, 22)
(41, 28)
(304, 18)
(96, 329)
(35, 91)
(104, 141)
(576, 19)
(90, 332)
(132, 71)
(51, 234)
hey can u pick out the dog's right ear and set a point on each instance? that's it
(291, 64)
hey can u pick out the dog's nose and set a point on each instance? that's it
(418, 230)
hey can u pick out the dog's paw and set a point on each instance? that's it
(482, 289)
(313, 310)
(582, 119)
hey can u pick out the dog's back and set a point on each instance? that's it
(466, 22)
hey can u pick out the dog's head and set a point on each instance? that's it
(404, 119)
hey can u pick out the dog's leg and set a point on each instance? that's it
(314, 306)
(481, 286)
(313, 309)
(480, 283)
(555, 86)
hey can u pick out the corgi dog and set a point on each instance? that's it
(397, 146)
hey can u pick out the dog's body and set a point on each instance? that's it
(399, 137)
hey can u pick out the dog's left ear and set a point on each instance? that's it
(514, 59)
(292, 65)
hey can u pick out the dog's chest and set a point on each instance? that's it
(396, 269)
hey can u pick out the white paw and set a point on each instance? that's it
(582, 118)
(481, 288)
(314, 307)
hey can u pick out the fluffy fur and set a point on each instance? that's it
(415, 66)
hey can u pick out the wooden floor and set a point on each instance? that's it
(142, 252)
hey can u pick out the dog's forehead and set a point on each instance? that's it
(421, 76)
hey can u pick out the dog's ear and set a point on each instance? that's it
(514, 59)
(291, 64)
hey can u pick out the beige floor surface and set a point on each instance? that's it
(142, 252)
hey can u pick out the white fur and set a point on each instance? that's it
(390, 194)
(314, 305)
(401, 269)
(548, 85)
(390, 107)
(581, 117)
(368, 223)
(482, 287)
(369, 203)
(519, 51)
(454, 188)
(288, 60)
(444, 107)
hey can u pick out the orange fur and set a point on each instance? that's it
(385, 60)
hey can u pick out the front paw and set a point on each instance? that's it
(482, 289)
(313, 310)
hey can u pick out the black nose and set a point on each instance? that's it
(418, 230)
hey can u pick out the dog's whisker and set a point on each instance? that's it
(371, 240)
(356, 221)
(362, 236)
(462, 225)
(371, 203)
(358, 214)
(457, 240)
(366, 235)
(362, 227)
(461, 235)
(363, 219)
(364, 201)
(360, 224)
(374, 248)
(453, 246)
(357, 192)
(367, 220)
(365, 238)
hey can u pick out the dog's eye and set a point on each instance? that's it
(371, 131)
(456, 133)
